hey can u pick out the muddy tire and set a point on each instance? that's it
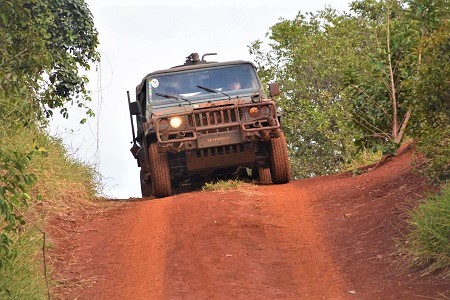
(160, 172)
(146, 187)
(264, 175)
(279, 160)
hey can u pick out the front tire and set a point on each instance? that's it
(279, 160)
(160, 172)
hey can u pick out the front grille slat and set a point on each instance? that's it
(219, 117)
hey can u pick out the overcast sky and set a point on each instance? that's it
(138, 37)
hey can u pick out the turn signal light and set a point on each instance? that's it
(254, 111)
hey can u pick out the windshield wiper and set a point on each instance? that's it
(173, 97)
(213, 91)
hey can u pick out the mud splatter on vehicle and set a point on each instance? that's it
(205, 119)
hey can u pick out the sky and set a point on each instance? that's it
(138, 37)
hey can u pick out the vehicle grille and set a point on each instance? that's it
(223, 150)
(205, 120)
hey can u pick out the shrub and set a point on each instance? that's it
(428, 243)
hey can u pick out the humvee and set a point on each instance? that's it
(206, 119)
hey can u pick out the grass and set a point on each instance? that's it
(222, 185)
(63, 183)
(23, 276)
(428, 243)
(362, 159)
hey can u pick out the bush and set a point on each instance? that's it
(434, 145)
(428, 243)
(37, 178)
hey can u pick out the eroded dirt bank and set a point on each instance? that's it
(323, 238)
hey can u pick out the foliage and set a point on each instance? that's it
(15, 184)
(432, 118)
(21, 275)
(61, 183)
(429, 240)
(306, 57)
(359, 80)
(44, 45)
(434, 144)
(362, 159)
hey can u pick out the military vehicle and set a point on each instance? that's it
(203, 120)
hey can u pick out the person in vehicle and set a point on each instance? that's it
(235, 86)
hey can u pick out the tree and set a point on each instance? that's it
(44, 46)
(432, 105)
(355, 80)
(307, 56)
(382, 100)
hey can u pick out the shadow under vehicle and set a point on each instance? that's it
(204, 119)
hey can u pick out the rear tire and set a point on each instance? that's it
(264, 175)
(146, 187)
(279, 160)
(160, 172)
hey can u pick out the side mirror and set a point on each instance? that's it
(274, 89)
(134, 108)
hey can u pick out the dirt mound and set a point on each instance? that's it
(327, 237)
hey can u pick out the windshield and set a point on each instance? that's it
(202, 84)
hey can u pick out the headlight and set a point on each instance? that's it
(265, 110)
(175, 122)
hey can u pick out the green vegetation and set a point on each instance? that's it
(362, 80)
(363, 159)
(58, 183)
(222, 185)
(22, 275)
(429, 240)
(356, 84)
(40, 60)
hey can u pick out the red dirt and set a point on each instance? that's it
(323, 238)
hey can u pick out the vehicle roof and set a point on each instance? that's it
(195, 66)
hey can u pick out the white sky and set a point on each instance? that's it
(138, 37)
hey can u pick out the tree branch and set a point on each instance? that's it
(399, 136)
(391, 73)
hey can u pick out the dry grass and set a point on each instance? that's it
(63, 184)
(223, 185)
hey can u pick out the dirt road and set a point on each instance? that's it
(323, 238)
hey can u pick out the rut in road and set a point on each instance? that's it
(259, 242)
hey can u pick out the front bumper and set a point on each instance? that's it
(218, 126)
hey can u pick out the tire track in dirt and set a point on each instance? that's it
(119, 255)
(261, 243)
(317, 276)
(257, 243)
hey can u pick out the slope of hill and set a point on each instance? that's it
(327, 237)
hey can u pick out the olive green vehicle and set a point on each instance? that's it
(206, 119)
